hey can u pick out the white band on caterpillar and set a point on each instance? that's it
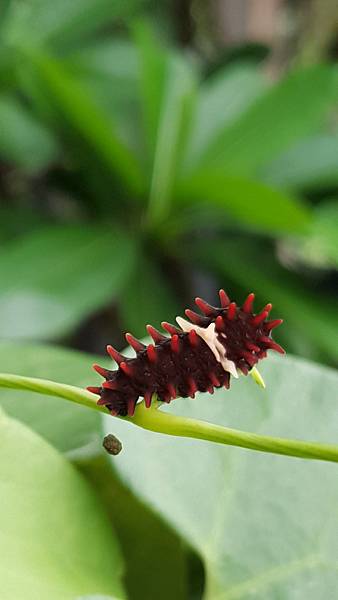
(209, 335)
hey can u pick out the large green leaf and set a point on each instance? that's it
(54, 540)
(250, 202)
(289, 111)
(265, 525)
(71, 428)
(78, 432)
(55, 277)
(141, 534)
(23, 140)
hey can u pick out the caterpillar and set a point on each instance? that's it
(200, 355)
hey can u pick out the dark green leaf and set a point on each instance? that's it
(53, 532)
(293, 108)
(262, 523)
(251, 202)
(55, 277)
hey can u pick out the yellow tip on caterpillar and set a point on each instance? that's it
(257, 377)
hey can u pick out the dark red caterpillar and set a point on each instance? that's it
(198, 357)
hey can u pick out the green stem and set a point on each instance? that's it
(202, 430)
(51, 388)
(161, 422)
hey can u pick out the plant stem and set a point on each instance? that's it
(202, 430)
(50, 388)
(161, 422)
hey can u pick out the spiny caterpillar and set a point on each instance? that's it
(200, 356)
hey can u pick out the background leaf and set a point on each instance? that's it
(222, 99)
(74, 103)
(110, 69)
(49, 520)
(262, 523)
(153, 66)
(309, 164)
(301, 100)
(76, 271)
(58, 24)
(318, 249)
(147, 297)
(166, 94)
(172, 130)
(252, 203)
(24, 141)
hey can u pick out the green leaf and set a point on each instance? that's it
(96, 597)
(61, 23)
(250, 202)
(310, 318)
(261, 523)
(24, 141)
(172, 130)
(151, 302)
(294, 108)
(153, 65)
(222, 99)
(57, 276)
(319, 248)
(113, 60)
(78, 432)
(166, 90)
(92, 129)
(141, 534)
(310, 164)
(110, 69)
(49, 520)
(71, 428)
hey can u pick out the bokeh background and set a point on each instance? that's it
(152, 151)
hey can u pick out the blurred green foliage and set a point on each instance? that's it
(132, 180)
